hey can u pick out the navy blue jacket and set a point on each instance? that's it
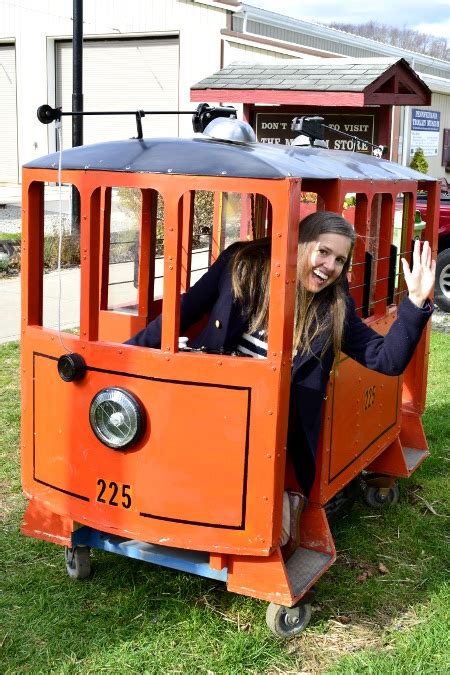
(310, 372)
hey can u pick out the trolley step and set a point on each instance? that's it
(399, 460)
(414, 457)
(304, 567)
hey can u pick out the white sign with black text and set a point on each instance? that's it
(425, 126)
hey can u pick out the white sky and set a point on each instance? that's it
(427, 16)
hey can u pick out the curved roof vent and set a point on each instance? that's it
(229, 129)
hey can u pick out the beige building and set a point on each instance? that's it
(147, 54)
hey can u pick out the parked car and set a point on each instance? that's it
(442, 288)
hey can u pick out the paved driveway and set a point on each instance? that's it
(70, 303)
(121, 291)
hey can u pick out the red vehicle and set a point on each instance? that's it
(442, 287)
(176, 456)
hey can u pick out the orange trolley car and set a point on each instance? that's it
(177, 457)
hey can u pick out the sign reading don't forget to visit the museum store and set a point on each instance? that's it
(276, 128)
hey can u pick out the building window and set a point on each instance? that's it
(446, 150)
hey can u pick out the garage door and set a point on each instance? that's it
(121, 75)
(8, 115)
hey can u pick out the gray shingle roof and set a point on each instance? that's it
(304, 75)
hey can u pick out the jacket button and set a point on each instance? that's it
(218, 324)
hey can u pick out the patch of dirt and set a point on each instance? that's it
(315, 653)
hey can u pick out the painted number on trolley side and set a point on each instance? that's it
(369, 397)
(114, 494)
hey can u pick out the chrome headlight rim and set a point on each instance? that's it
(135, 407)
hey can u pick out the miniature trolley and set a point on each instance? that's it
(178, 457)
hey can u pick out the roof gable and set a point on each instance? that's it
(400, 85)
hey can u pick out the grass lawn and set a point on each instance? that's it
(11, 236)
(382, 608)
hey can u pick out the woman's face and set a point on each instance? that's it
(326, 259)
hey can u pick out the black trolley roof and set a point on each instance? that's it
(202, 156)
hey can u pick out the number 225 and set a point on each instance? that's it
(110, 492)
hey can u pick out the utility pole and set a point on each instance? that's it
(77, 100)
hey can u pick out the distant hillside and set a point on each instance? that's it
(405, 38)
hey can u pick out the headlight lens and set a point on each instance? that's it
(117, 418)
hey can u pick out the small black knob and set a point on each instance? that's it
(46, 114)
(71, 367)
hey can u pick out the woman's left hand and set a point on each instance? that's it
(420, 279)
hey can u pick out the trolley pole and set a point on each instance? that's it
(77, 100)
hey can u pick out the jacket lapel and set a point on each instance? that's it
(315, 353)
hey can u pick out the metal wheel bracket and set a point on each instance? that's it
(293, 613)
(381, 481)
(70, 552)
(307, 598)
(384, 492)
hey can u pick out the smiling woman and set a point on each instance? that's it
(235, 292)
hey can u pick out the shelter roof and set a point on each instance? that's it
(376, 81)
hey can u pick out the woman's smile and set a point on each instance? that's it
(326, 258)
(321, 275)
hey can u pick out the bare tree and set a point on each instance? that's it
(406, 38)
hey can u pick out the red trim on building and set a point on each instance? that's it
(280, 96)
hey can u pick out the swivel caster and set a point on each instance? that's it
(78, 561)
(379, 496)
(287, 622)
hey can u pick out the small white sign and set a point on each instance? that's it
(427, 140)
(425, 125)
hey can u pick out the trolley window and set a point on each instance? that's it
(60, 258)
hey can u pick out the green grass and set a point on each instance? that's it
(11, 236)
(135, 617)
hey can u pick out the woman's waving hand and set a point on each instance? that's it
(420, 279)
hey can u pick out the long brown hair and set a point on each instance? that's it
(315, 313)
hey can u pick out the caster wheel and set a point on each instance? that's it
(342, 503)
(287, 622)
(376, 497)
(78, 562)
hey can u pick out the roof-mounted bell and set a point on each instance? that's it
(221, 123)
(231, 130)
